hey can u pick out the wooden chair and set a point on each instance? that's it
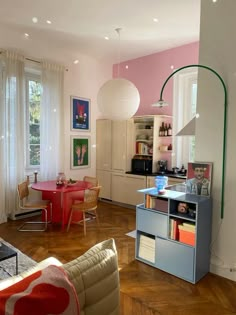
(88, 206)
(26, 204)
(91, 179)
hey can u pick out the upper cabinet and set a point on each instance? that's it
(103, 144)
(153, 138)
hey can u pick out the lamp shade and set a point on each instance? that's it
(118, 99)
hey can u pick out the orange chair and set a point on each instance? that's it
(26, 204)
(91, 179)
(88, 206)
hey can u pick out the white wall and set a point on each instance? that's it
(83, 80)
(218, 51)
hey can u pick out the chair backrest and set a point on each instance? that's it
(23, 190)
(91, 196)
(91, 179)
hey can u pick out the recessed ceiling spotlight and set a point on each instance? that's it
(35, 19)
(155, 20)
(76, 61)
(172, 67)
(49, 22)
(26, 35)
(214, 1)
(106, 38)
(126, 67)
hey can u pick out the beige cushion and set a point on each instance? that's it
(95, 276)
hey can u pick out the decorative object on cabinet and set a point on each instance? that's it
(162, 103)
(173, 241)
(80, 113)
(80, 152)
(199, 178)
(118, 98)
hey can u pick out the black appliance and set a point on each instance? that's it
(141, 166)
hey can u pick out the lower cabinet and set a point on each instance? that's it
(104, 180)
(173, 240)
(125, 188)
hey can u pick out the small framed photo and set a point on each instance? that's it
(80, 113)
(80, 152)
(199, 176)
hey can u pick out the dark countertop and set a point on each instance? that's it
(168, 173)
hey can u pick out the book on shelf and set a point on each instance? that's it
(146, 240)
(174, 229)
(147, 253)
(191, 229)
(189, 225)
(147, 248)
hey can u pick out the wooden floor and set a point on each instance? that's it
(144, 289)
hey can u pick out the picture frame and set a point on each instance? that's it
(199, 176)
(80, 113)
(80, 152)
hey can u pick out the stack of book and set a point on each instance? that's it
(147, 248)
(187, 233)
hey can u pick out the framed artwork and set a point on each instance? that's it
(80, 113)
(80, 152)
(199, 176)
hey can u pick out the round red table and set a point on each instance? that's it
(61, 198)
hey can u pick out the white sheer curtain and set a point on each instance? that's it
(51, 121)
(12, 122)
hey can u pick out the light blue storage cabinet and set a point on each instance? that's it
(158, 241)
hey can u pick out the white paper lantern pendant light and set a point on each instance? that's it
(118, 99)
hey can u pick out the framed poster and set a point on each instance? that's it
(199, 178)
(80, 152)
(80, 113)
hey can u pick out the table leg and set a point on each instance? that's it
(16, 264)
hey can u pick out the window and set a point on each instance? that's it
(33, 99)
(184, 109)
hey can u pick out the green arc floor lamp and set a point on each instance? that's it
(162, 103)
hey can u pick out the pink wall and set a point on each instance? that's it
(148, 73)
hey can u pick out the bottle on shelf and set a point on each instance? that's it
(165, 130)
(169, 130)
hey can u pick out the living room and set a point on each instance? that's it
(216, 50)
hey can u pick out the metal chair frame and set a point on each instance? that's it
(26, 204)
(90, 203)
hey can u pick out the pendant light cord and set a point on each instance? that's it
(118, 32)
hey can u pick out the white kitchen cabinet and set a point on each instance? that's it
(125, 186)
(114, 151)
(103, 144)
(104, 180)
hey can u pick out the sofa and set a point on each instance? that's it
(94, 275)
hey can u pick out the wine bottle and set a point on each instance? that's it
(165, 130)
(169, 131)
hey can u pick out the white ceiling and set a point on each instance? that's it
(79, 26)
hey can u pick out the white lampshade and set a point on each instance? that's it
(118, 99)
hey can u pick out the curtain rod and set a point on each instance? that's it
(29, 59)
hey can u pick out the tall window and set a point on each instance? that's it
(33, 99)
(184, 109)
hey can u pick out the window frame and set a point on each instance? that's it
(182, 114)
(32, 75)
